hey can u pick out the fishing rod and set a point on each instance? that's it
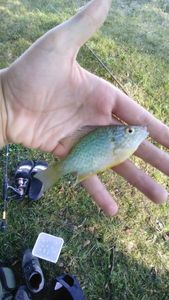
(9, 192)
(3, 224)
(5, 190)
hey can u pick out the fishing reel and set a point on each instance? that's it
(21, 189)
(12, 192)
(23, 184)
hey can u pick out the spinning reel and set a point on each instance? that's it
(24, 184)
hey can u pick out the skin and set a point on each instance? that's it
(46, 96)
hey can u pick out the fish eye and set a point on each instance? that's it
(130, 130)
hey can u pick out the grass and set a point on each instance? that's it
(126, 257)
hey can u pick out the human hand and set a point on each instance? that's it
(47, 96)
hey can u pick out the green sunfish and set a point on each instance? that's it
(100, 149)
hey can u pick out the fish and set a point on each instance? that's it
(100, 149)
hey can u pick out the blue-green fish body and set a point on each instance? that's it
(100, 149)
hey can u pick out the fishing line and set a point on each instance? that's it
(97, 58)
(102, 63)
(106, 68)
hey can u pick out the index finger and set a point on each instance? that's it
(131, 112)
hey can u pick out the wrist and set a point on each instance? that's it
(3, 113)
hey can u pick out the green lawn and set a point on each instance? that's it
(126, 257)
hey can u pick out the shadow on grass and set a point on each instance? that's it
(131, 280)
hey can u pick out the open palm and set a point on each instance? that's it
(48, 96)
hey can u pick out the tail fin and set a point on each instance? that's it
(50, 176)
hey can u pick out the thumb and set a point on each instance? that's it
(85, 23)
(73, 33)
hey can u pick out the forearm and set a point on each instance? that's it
(3, 114)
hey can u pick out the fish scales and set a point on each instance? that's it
(100, 149)
(91, 153)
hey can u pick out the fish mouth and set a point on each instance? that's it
(145, 128)
(143, 135)
(142, 128)
(146, 131)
